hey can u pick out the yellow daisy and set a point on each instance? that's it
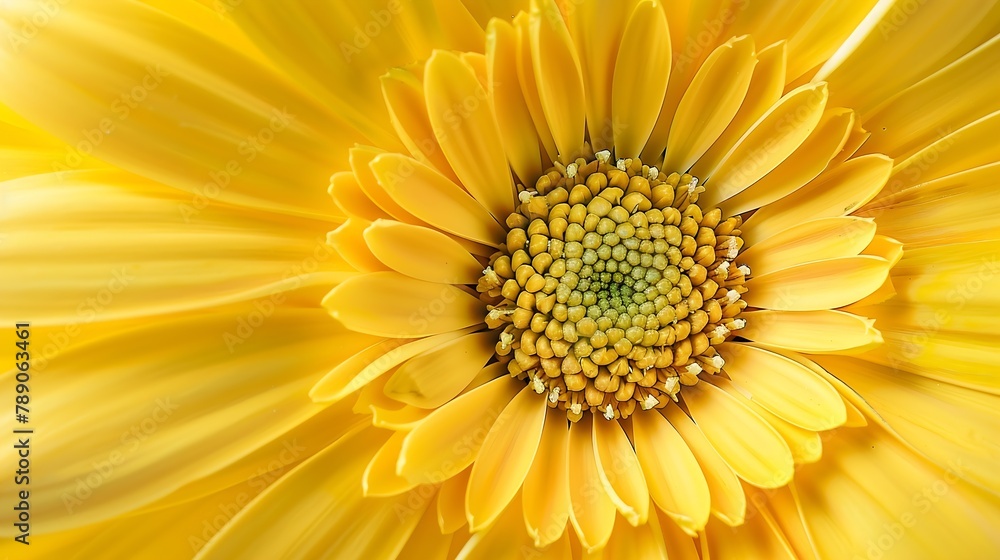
(607, 279)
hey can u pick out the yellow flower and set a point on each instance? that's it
(623, 279)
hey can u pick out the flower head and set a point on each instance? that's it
(633, 279)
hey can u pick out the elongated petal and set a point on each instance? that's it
(390, 304)
(438, 375)
(710, 102)
(422, 253)
(749, 445)
(640, 80)
(505, 459)
(620, 471)
(469, 136)
(826, 238)
(429, 452)
(818, 285)
(592, 513)
(435, 199)
(545, 496)
(810, 331)
(558, 77)
(676, 481)
(784, 387)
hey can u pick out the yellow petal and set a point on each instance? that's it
(390, 304)
(360, 159)
(102, 245)
(429, 454)
(348, 239)
(644, 541)
(766, 86)
(953, 152)
(826, 238)
(111, 89)
(463, 119)
(517, 131)
(810, 331)
(754, 539)
(403, 419)
(421, 253)
(818, 285)
(710, 102)
(748, 444)
(837, 192)
(876, 495)
(558, 77)
(862, 85)
(348, 376)
(422, 381)
(676, 481)
(597, 29)
(642, 67)
(507, 539)
(529, 85)
(592, 513)
(941, 105)
(806, 445)
(502, 465)
(427, 541)
(784, 387)
(952, 209)
(352, 201)
(728, 500)
(804, 165)
(380, 478)
(433, 198)
(679, 545)
(943, 421)
(404, 98)
(783, 128)
(174, 428)
(546, 499)
(451, 502)
(620, 471)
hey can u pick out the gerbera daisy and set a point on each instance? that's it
(622, 279)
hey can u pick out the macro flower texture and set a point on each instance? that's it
(498, 279)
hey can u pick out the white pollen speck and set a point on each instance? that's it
(717, 361)
(554, 395)
(733, 249)
(524, 196)
(732, 296)
(603, 156)
(576, 408)
(671, 384)
(609, 413)
(621, 164)
(571, 170)
(649, 402)
(724, 267)
(653, 173)
(496, 313)
(506, 339)
(720, 331)
(694, 368)
(740, 323)
(744, 269)
(538, 385)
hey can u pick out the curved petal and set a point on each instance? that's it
(824, 331)
(818, 285)
(392, 305)
(422, 253)
(620, 471)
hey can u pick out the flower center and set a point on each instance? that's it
(614, 286)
